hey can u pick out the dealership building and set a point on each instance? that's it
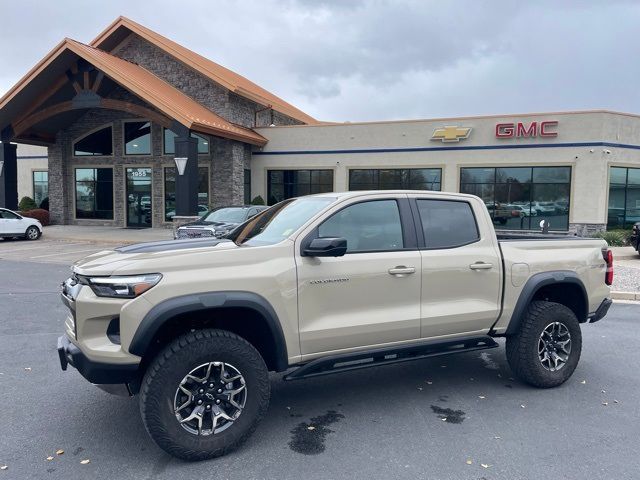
(142, 132)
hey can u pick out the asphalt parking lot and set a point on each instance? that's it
(458, 417)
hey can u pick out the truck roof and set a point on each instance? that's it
(356, 193)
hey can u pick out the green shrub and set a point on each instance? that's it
(257, 201)
(615, 238)
(26, 204)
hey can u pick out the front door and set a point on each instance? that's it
(139, 197)
(369, 296)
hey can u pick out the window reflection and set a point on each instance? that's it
(395, 179)
(518, 198)
(624, 197)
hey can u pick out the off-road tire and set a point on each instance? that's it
(522, 348)
(171, 365)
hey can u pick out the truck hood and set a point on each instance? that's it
(150, 257)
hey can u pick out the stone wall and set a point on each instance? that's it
(586, 229)
(227, 104)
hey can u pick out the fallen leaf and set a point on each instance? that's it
(616, 401)
(444, 419)
(429, 383)
(84, 462)
(605, 403)
(59, 452)
(420, 388)
(604, 391)
(3, 467)
(583, 382)
(499, 376)
(469, 462)
(497, 437)
(28, 369)
(311, 427)
(288, 408)
(481, 397)
(485, 465)
(471, 379)
(49, 458)
(443, 366)
(523, 406)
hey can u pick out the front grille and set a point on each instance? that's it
(194, 233)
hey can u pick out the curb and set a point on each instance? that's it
(625, 296)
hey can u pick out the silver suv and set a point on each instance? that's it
(217, 223)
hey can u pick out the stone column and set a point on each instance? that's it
(187, 184)
(9, 176)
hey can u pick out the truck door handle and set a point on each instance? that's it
(401, 270)
(481, 266)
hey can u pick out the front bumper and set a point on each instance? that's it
(95, 372)
(601, 311)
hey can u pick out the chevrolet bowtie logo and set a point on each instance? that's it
(451, 133)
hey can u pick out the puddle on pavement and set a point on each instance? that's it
(311, 441)
(449, 415)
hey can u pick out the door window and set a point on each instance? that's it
(367, 226)
(139, 197)
(5, 214)
(447, 223)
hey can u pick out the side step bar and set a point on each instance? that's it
(386, 356)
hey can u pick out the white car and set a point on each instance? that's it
(15, 225)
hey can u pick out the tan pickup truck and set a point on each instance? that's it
(318, 285)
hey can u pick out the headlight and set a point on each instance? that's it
(129, 286)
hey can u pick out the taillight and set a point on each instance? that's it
(608, 257)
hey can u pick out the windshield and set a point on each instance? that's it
(277, 223)
(226, 215)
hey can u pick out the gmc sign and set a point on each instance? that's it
(533, 129)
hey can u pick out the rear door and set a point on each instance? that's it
(461, 266)
(369, 296)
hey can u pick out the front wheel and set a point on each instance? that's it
(32, 233)
(546, 349)
(204, 394)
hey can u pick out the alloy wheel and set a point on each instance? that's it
(554, 346)
(210, 398)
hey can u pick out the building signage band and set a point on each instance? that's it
(451, 133)
(544, 129)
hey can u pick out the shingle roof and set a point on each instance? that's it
(217, 73)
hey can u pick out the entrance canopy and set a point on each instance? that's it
(75, 77)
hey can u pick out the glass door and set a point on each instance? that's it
(139, 197)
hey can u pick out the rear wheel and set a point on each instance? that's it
(546, 349)
(32, 233)
(204, 394)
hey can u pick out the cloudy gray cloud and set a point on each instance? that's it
(377, 59)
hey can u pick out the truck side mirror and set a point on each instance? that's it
(325, 247)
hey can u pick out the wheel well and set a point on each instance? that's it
(568, 294)
(244, 322)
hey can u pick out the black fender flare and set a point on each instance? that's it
(535, 283)
(166, 310)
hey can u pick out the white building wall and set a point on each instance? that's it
(30, 158)
(590, 163)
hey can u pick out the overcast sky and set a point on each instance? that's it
(376, 60)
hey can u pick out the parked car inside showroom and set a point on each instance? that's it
(218, 222)
(14, 225)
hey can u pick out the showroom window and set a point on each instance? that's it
(247, 186)
(170, 147)
(98, 143)
(40, 186)
(397, 178)
(624, 197)
(137, 138)
(170, 192)
(367, 226)
(283, 184)
(94, 193)
(518, 198)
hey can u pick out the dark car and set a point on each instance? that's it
(635, 237)
(218, 222)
